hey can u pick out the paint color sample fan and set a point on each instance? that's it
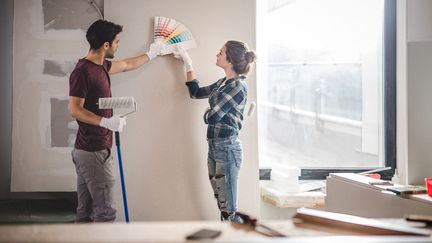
(172, 33)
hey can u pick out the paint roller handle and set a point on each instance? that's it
(117, 139)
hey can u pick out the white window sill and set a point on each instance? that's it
(311, 199)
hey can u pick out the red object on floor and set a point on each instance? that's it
(374, 175)
(429, 186)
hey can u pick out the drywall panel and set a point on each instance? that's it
(419, 61)
(49, 37)
(66, 14)
(164, 146)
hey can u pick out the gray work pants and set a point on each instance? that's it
(95, 185)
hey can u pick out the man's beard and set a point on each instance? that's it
(109, 55)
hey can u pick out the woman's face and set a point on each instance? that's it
(221, 60)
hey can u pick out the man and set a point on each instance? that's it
(88, 82)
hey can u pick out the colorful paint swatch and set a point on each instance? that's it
(172, 33)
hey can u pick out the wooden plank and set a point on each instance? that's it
(350, 225)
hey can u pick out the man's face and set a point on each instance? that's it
(113, 48)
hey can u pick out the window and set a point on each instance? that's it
(326, 84)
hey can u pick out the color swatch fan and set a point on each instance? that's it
(172, 33)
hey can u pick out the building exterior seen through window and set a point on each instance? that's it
(320, 83)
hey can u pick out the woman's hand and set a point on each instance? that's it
(182, 54)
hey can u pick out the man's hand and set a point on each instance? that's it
(154, 50)
(182, 54)
(115, 123)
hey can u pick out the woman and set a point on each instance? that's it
(227, 99)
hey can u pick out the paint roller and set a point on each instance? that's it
(123, 103)
(118, 103)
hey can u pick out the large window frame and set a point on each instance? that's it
(314, 173)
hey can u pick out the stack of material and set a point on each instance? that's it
(285, 178)
(345, 224)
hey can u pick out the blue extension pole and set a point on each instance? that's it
(126, 211)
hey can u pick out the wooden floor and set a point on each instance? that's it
(176, 232)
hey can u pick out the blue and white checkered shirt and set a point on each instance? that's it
(227, 104)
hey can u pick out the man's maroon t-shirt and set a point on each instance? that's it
(91, 81)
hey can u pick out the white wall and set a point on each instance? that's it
(164, 145)
(419, 63)
(401, 92)
(414, 88)
(419, 17)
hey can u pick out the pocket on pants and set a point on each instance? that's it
(103, 202)
(102, 156)
(84, 163)
(104, 166)
(72, 155)
(237, 156)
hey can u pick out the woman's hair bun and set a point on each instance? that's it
(250, 56)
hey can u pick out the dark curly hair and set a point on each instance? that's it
(239, 55)
(102, 31)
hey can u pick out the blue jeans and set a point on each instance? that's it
(225, 158)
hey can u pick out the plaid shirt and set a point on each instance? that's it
(227, 103)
